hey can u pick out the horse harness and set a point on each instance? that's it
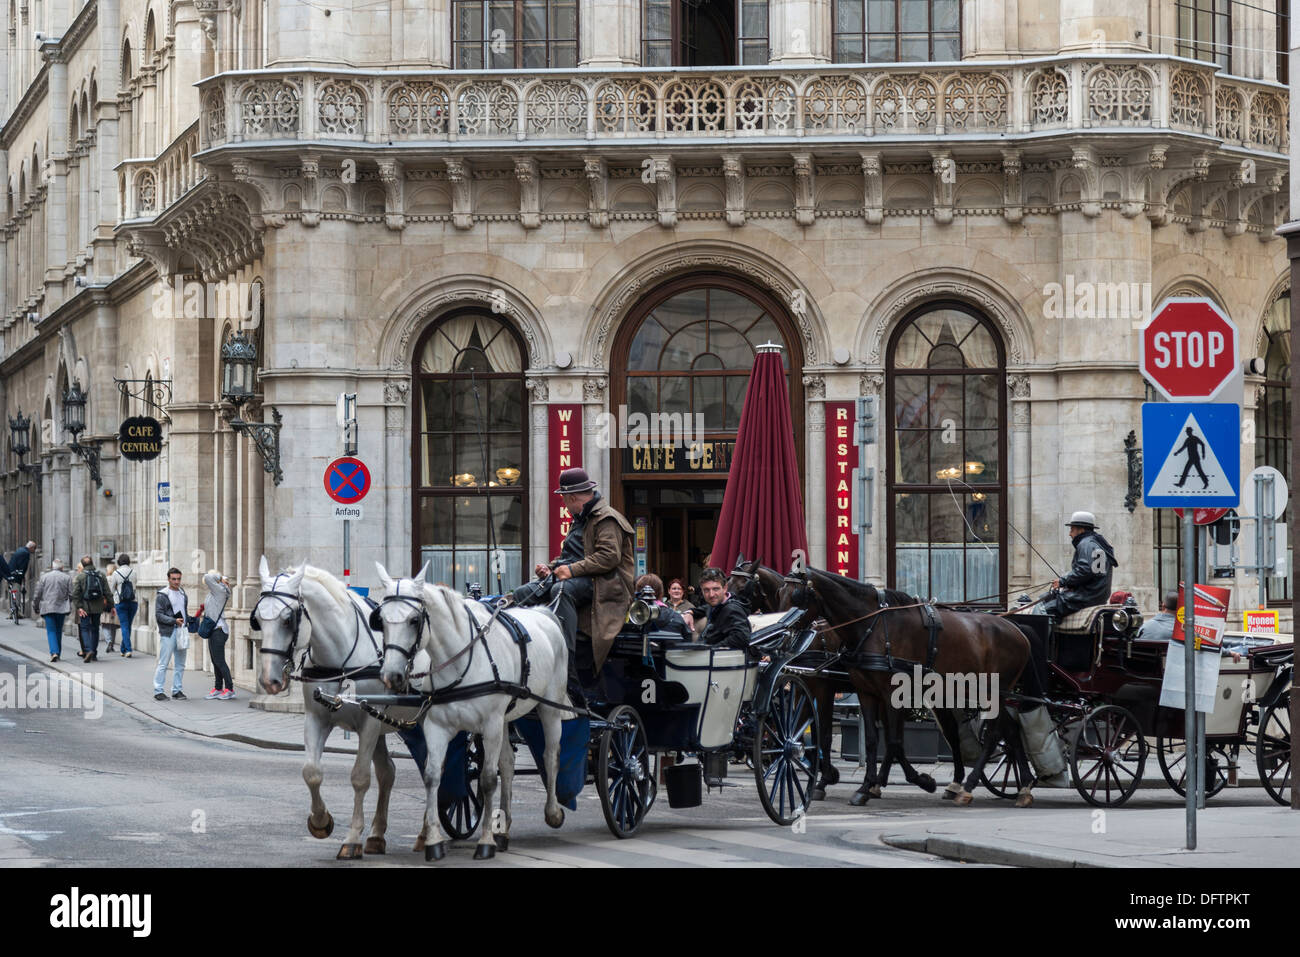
(312, 673)
(887, 662)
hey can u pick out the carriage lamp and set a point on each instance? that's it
(238, 370)
(74, 422)
(19, 442)
(508, 475)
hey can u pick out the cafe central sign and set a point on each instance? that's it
(140, 438)
(704, 457)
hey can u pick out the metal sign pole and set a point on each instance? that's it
(1190, 723)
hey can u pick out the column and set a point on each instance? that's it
(227, 507)
(1104, 25)
(609, 33)
(800, 31)
(399, 474)
(1018, 484)
(62, 495)
(56, 209)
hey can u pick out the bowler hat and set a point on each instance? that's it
(1085, 519)
(574, 480)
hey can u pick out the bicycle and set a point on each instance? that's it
(17, 598)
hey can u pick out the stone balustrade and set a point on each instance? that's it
(977, 100)
(147, 187)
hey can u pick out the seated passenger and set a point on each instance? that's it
(728, 616)
(652, 585)
(681, 603)
(1088, 581)
(1161, 626)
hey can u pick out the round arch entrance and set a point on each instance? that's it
(679, 369)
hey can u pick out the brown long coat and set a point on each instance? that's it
(607, 541)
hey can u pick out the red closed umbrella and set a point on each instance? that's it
(762, 511)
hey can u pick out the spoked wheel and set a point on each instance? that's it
(1273, 750)
(624, 776)
(786, 751)
(461, 817)
(1171, 752)
(1107, 755)
(1001, 775)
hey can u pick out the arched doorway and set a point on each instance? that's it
(469, 449)
(683, 357)
(946, 455)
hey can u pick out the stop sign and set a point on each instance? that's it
(1189, 350)
(1204, 516)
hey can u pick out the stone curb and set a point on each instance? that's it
(1010, 853)
(267, 743)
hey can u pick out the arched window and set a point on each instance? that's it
(150, 39)
(470, 451)
(1273, 419)
(946, 455)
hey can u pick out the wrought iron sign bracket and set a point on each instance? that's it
(89, 453)
(154, 393)
(266, 439)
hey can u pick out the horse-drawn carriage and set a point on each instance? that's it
(1103, 694)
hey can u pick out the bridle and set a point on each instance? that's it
(377, 622)
(298, 612)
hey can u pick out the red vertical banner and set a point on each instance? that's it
(841, 460)
(564, 439)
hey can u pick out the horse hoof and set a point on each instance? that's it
(485, 852)
(376, 845)
(320, 833)
(962, 799)
(419, 845)
(926, 783)
(349, 852)
(875, 791)
(859, 799)
(556, 821)
(435, 852)
(1025, 799)
(817, 794)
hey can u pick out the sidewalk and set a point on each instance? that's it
(129, 681)
(1227, 836)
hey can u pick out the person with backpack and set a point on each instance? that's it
(90, 596)
(125, 604)
(214, 627)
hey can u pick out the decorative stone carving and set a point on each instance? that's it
(396, 390)
(666, 187)
(814, 386)
(945, 185)
(871, 383)
(390, 174)
(462, 200)
(539, 388)
(597, 173)
(1018, 386)
(1012, 196)
(493, 296)
(873, 188)
(1084, 160)
(733, 168)
(530, 216)
(805, 210)
(593, 388)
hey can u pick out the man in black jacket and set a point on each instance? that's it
(728, 616)
(1088, 581)
(16, 567)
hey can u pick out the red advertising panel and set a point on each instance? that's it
(564, 431)
(1211, 615)
(841, 460)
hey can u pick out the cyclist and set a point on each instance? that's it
(15, 570)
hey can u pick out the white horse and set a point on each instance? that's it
(308, 616)
(462, 648)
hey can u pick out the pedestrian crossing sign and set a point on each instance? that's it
(1191, 454)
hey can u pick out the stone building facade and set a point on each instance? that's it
(486, 220)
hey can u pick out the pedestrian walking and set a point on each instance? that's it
(124, 600)
(52, 600)
(108, 622)
(90, 596)
(217, 630)
(170, 610)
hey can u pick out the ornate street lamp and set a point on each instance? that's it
(74, 422)
(19, 442)
(238, 372)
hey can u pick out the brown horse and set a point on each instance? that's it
(882, 631)
(760, 588)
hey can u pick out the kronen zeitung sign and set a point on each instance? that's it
(140, 438)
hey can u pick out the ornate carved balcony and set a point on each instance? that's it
(978, 101)
(147, 187)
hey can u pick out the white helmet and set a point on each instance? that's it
(1083, 518)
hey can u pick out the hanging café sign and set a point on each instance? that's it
(140, 438)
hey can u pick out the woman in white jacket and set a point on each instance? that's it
(122, 583)
(214, 609)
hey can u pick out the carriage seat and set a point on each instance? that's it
(1084, 620)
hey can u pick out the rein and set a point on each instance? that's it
(313, 673)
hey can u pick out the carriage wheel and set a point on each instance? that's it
(1107, 755)
(1171, 752)
(461, 817)
(624, 776)
(1001, 775)
(1273, 750)
(786, 742)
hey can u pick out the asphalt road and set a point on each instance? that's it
(120, 790)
